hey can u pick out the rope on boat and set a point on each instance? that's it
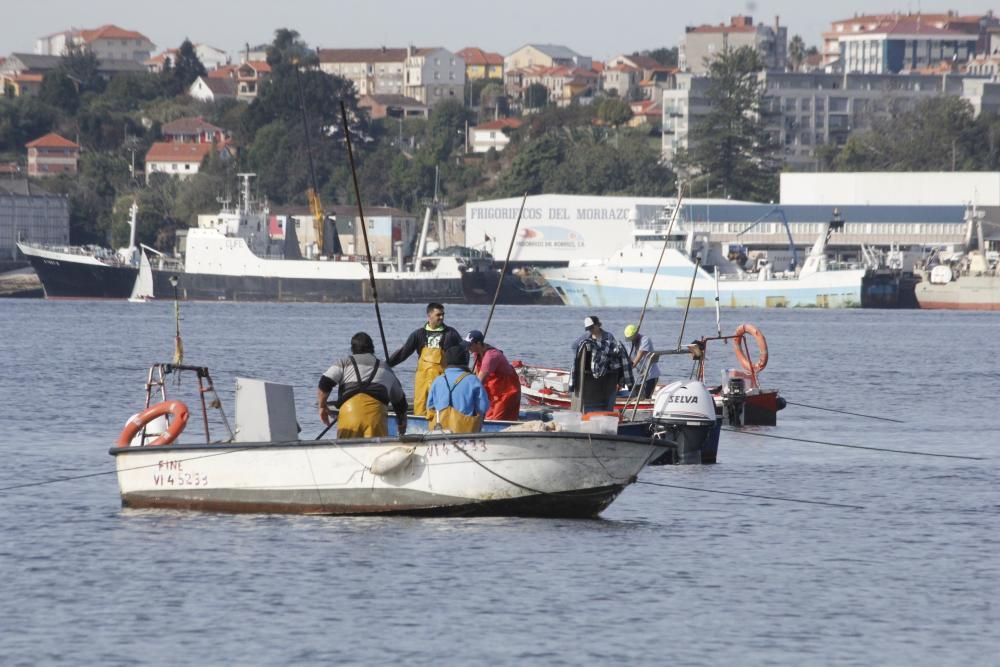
(575, 494)
(840, 444)
(754, 495)
(845, 412)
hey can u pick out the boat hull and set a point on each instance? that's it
(534, 474)
(965, 293)
(70, 277)
(209, 287)
(598, 287)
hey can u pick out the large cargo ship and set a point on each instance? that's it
(624, 279)
(232, 258)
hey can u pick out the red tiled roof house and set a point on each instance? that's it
(51, 155)
(181, 160)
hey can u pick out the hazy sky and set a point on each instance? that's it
(597, 29)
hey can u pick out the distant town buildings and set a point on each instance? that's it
(376, 71)
(703, 43)
(30, 214)
(249, 76)
(807, 110)
(193, 130)
(176, 159)
(22, 73)
(51, 155)
(108, 42)
(481, 64)
(432, 75)
(209, 89)
(902, 43)
(393, 106)
(493, 134)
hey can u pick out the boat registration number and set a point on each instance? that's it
(469, 445)
(172, 473)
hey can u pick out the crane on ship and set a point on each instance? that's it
(312, 193)
(788, 230)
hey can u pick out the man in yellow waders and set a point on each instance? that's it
(457, 401)
(367, 386)
(430, 342)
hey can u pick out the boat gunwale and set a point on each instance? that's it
(413, 439)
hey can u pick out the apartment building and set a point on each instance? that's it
(702, 43)
(806, 110)
(376, 71)
(432, 75)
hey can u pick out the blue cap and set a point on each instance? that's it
(474, 336)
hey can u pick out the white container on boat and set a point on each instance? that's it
(567, 420)
(603, 424)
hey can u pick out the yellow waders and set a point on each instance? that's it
(429, 366)
(451, 420)
(362, 416)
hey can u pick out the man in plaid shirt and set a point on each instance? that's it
(606, 367)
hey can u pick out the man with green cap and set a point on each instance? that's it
(641, 354)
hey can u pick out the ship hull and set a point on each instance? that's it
(966, 293)
(65, 276)
(830, 291)
(479, 287)
(208, 287)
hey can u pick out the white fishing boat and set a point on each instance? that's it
(622, 281)
(265, 467)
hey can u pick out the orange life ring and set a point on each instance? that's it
(177, 409)
(741, 356)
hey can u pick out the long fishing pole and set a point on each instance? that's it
(364, 228)
(663, 251)
(845, 412)
(839, 444)
(753, 495)
(687, 306)
(503, 271)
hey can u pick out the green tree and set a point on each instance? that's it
(796, 52)
(179, 73)
(536, 96)
(730, 142)
(58, 90)
(666, 56)
(288, 51)
(938, 134)
(614, 111)
(80, 64)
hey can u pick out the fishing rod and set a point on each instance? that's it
(503, 271)
(839, 444)
(845, 412)
(663, 251)
(364, 229)
(753, 495)
(687, 306)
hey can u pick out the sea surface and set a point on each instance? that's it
(910, 576)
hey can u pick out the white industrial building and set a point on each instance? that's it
(915, 188)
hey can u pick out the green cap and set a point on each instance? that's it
(631, 330)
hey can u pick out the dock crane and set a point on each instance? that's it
(788, 230)
(315, 205)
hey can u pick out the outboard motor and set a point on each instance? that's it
(684, 413)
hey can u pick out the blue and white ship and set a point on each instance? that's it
(624, 279)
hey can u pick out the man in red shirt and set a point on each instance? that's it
(498, 376)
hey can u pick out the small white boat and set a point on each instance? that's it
(142, 290)
(523, 473)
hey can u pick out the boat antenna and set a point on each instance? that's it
(687, 306)
(364, 227)
(178, 343)
(506, 261)
(315, 205)
(666, 240)
(718, 313)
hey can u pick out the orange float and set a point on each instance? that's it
(176, 409)
(741, 355)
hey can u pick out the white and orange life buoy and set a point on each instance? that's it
(176, 409)
(741, 356)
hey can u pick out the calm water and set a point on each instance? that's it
(665, 575)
